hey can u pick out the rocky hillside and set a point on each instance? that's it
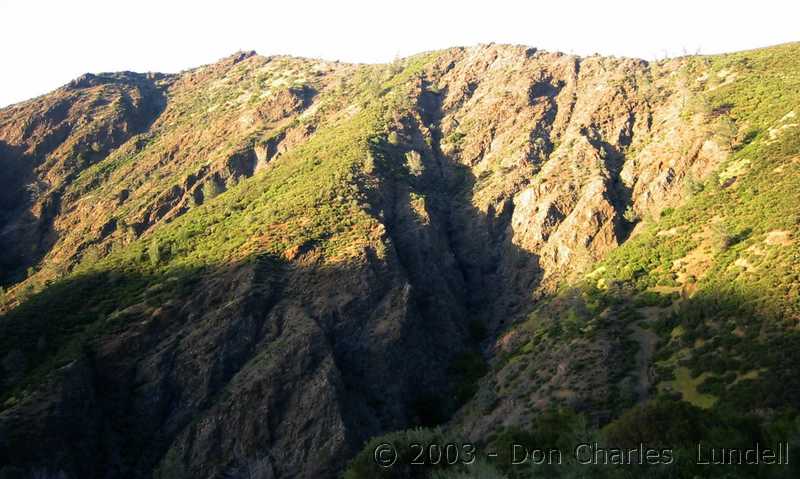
(251, 268)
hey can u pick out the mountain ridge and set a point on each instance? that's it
(263, 226)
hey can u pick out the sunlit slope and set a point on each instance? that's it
(703, 302)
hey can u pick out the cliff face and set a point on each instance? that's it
(254, 266)
(557, 149)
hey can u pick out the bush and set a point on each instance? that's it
(467, 369)
(722, 236)
(630, 215)
(693, 186)
(211, 189)
(659, 423)
(158, 251)
(404, 443)
(480, 469)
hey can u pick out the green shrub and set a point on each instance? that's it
(659, 423)
(630, 215)
(554, 430)
(693, 186)
(211, 189)
(478, 470)
(158, 251)
(467, 369)
(407, 446)
(722, 236)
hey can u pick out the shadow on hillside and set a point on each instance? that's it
(737, 348)
(137, 371)
(431, 218)
(217, 369)
(132, 368)
(750, 408)
(128, 367)
(124, 367)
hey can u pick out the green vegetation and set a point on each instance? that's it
(731, 231)
(687, 387)
(211, 189)
(672, 428)
(716, 279)
(412, 458)
(467, 369)
(735, 317)
(313, 197)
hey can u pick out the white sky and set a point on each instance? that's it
(45, 44)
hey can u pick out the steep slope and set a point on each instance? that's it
(557, 149)
(48, 142)
(252, 267)
(109, 182)
(285, 271)
(702, 303)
